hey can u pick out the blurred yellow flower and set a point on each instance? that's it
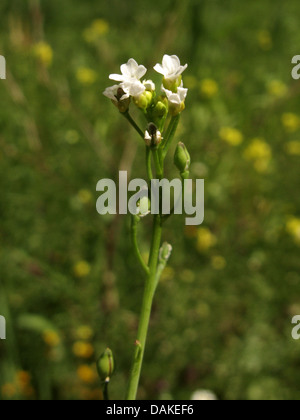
(205, 239)
(260, 153)
(23, 380)
(86, 374)
(86, 76)
(84, 332)
(8, 390)
(218, 262)
(293, 228)
(291, 122)
(82, 269)
(231, 135)
(44, 53)
(209, 88)
(51, 338)
(98, 28)
(190, 82)
(188, 276)
(85, 196)
(293, 148)
(264, 40)
(83, 350)
(277, 88)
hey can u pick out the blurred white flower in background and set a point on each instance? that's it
(203, 395)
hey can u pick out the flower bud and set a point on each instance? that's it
(143, 207)
(172, 84)
(182, 158)
(105, 365)
(144, 100)
(160, 110)
(153, 136)
(165, 252)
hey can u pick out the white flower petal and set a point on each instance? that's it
(116, 77)
(159, 69)
(134, 87)
(170, 68)
(140, 72)
(111, 92)
(130, 70)
(149, 85)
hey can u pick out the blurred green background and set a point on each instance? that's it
(70, 286)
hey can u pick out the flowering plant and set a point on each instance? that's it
(162, 111)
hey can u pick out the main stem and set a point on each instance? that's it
(146, 311)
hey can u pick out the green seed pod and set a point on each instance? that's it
(105, 365)
(182, 158)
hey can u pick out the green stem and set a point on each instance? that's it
(184, 175)
(146, 310)
(148, 163)
(134, 223)
(133, 123)
(157, 163)
(170, 133)
(105, 391)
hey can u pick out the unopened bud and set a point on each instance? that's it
(160, 110)
(153, 136)
(144, 100)
(143, 207)
(165, 252)
(172, 84)
(182, 158)
(105, 365)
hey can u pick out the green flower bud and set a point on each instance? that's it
(144, 100)
(172, 84)
(160, 110)
(165, 252)
(182, 158)
(105, 365)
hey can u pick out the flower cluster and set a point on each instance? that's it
(156, 107)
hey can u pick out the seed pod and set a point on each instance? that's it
(105, 365)
(182, 158)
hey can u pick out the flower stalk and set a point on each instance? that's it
(157, 137)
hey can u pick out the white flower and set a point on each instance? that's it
(116, 93)
(153, 136)
(149, 85)
(170, 68)
(130, 72)
(176, 98)
(133, 87)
